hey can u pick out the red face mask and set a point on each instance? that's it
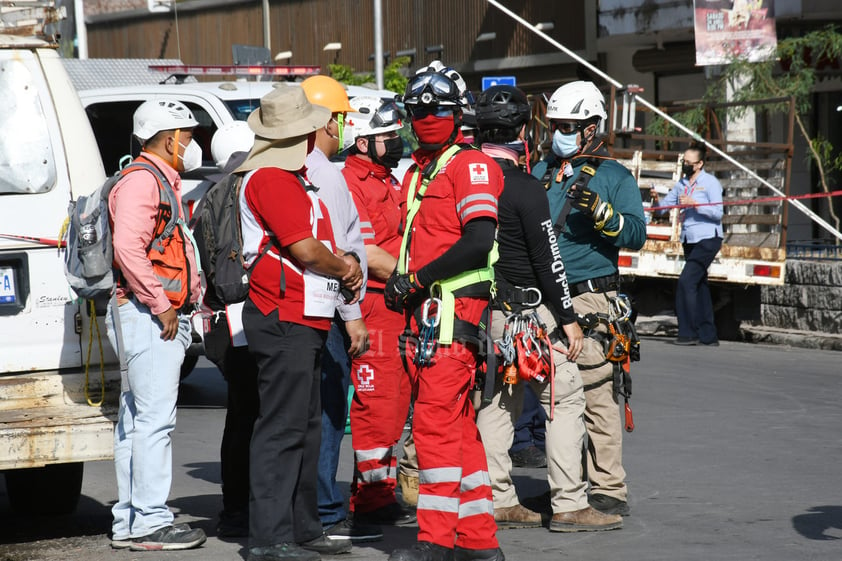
(433, 130)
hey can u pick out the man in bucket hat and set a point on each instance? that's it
(292, 296)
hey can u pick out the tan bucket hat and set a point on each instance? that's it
(281, 125)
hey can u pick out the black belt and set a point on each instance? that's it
(510, 294)
(600, 284)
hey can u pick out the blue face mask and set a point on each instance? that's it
(565, 145)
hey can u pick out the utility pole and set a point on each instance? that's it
(378, 43)
(266, 40)
(81, 29)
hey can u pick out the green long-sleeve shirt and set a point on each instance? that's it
(589, 253)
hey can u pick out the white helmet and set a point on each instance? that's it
(577, 101)
(437, 84)
(157, 115)
(236, 136)
(372, 116)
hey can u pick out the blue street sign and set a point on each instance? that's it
(488, 81)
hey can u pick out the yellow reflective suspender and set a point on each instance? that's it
(413, 202)
(446, 287)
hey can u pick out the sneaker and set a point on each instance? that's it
(409, 488)
(121, 543)
(608, 505)
(462, 554)
(529, 457)
(714, 343)
(423, 551)
(517, 516)
(390, 515)
(233, 524)
(357, 533)
(586, 520)
(282, 552)
(686, 341)
(327, 544)
(170, 538)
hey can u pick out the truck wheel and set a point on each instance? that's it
(48, 490)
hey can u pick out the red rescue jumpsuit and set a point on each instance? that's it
(381, 386)
(455, 504)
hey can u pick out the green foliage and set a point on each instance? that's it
(794, 73)
(393, 78)
(345, 74)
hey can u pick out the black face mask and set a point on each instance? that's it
(394, 152)
(687, 169)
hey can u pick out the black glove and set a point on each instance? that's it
(399, 289)
(589, 203)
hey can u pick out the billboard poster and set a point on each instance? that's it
(727, 29)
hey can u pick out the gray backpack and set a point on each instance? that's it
(89, 253)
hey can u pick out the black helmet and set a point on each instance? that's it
(502, 107)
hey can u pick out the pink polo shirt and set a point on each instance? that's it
(133, 205)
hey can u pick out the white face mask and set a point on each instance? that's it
(192, 158)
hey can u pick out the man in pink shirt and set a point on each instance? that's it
(158, 284)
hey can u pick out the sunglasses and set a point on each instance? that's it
(421, 111)
(565, 127)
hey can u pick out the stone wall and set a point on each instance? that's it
(811, 299)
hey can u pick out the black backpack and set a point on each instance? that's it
(220, 237)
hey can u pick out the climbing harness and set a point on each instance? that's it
(621, 346)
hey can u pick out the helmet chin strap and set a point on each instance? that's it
(175, 152)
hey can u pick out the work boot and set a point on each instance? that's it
(517, 516)
(608, 505)
(586, 520)
(409, 488)
(423, 551)
(463, 554)
(390, 515)
(529, 457)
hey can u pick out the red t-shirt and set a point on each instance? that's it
(273, 200)
(466, 188)
(377, 196)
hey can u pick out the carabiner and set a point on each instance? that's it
(425, 312)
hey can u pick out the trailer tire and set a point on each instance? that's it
(50, 490)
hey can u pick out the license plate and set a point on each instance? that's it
(8, 294)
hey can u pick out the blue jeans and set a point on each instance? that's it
(336, 377)
(530, 428)
(693, 304)
(142, 444)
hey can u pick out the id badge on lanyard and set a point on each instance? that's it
(321, 293)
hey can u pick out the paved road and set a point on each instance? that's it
(736, 456)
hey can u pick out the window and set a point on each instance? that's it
(112, 123)
(26, 152)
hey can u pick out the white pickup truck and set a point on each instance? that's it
(53, 415)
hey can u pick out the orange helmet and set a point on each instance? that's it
(327, 92)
